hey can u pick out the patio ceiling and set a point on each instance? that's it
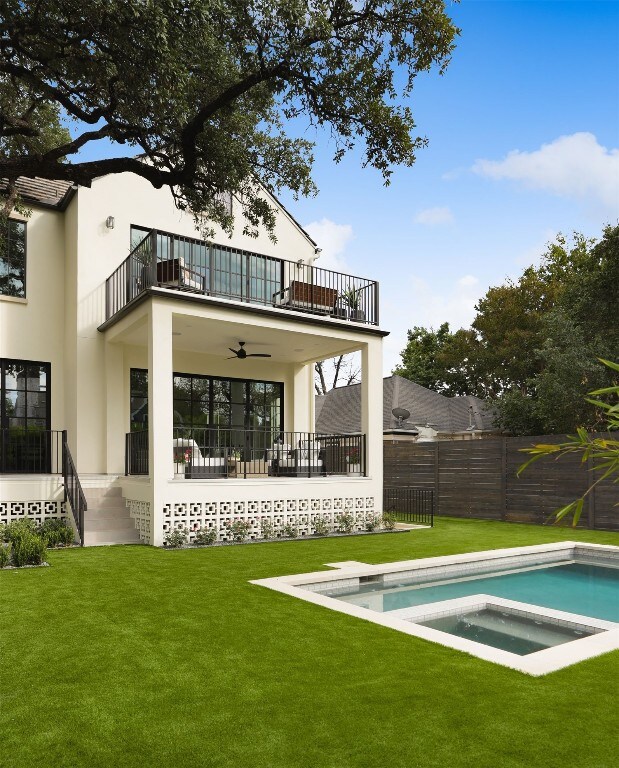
(214, 336)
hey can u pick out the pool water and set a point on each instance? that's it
(509, 632)
(575, 587)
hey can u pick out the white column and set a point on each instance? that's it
(303, 396)
(160, 411)
(372, 407)
(117, 423)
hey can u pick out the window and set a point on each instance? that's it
(13, 259)
(208, 401)
(25, 394)
(138, 388)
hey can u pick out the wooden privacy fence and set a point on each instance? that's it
(477, 478)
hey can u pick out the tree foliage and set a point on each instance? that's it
(200, 95)
(533, 346)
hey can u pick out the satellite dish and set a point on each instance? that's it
(401, 415)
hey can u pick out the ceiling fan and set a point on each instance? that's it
(242, 354)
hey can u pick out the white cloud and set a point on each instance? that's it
(468, 280)
(417, 302)
(573, 166)
(434, 216)
(333, 239)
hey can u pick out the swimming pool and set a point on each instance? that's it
(535, 609)
(575, 587)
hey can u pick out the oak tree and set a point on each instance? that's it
(211, 98)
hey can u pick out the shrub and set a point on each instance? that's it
(345, 522)
(372, 522)
(291, 530)
(239, 530)
(321, 525)
(5, 555)
(206, 536)
(27, 549)
(176, 537)
(56, 532)
(17, 528)
(3, 532)
(267, 529)
(389, 521)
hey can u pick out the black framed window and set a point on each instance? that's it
(213, 401)
(138, 389)
(13, 258)
(25, 395)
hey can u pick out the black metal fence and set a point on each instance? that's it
(218, 452)
(30, 451)
(170, 261)
(410, 505)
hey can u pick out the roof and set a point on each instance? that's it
(340, 409)
(47, 192)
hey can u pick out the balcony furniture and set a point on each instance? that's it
(199, 467)
(299, 295)
(173, 273)
(274, 455)
(304, 461)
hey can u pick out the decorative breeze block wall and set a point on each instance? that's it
(299, 513)
(38, 511)
(140, 512)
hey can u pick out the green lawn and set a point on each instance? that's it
(133, 656)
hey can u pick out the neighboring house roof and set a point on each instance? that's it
(318, 403)
(46, 192)
(340, 409)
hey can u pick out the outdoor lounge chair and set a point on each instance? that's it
(306, 460)
(198, 466)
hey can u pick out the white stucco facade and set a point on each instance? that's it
(62, 321)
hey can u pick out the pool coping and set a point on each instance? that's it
(538, 663)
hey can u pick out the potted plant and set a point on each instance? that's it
(353, 459)
(181, 458)
(352, 298)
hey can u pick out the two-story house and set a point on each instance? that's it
(153, 380)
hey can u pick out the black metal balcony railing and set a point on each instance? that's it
(170, 261)
(212, 452)
(31, 451)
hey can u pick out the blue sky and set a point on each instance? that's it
(538, 79)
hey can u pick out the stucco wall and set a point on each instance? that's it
(131, 200)
(33, 329)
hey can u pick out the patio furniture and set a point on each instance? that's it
(199, 467)
(299, 295)
(304, 461)
(173, 273)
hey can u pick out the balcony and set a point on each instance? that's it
(215, 453)
(166, 260)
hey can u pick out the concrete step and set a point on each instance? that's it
(107, 519)
(107, 514)
(104, 504)
(97, 481)
(103, 538)
(108, 524)
(113, 492)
